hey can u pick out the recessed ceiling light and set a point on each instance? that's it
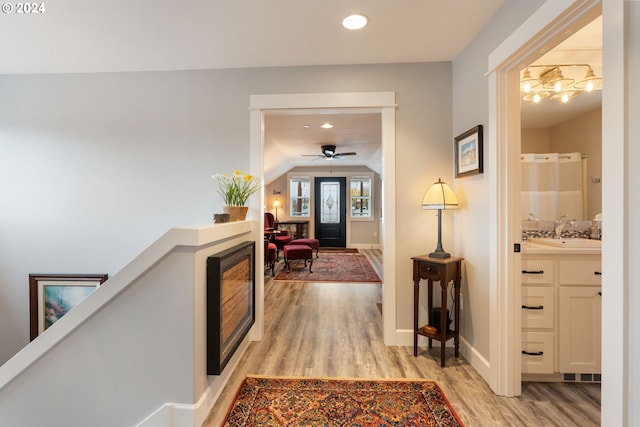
(306, 126)
(326, 126)
(354, 22)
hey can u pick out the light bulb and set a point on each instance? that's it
(589, 87)
(565, 98)
(527, 87)
(536, 98)
(354, 22)
(557, 86)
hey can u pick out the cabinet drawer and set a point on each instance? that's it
(537, 272)
(537, 307)
(580, 273)
(537, 352)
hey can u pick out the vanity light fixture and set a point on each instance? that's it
(551, 82)
(439, 196)
(354, 22)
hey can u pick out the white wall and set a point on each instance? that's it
(94, 167)
(583, 134)
(470, 108)
(535, 140)
(136, 344)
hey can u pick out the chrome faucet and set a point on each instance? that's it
(559, 225)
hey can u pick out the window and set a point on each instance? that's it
(299, 196)
(360, 192)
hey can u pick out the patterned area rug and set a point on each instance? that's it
(332, 402)
(332, 267)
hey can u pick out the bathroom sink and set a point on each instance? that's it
(567, 243)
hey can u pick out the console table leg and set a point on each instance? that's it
(416, 296)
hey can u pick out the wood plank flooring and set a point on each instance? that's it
(335, 330)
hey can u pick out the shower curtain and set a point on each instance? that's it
(552, 185)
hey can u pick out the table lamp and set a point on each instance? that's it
(276, 204)
(439, 196)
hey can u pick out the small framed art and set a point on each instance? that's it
(468, 152)
(51, 296)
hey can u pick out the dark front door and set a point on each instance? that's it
(331, 212)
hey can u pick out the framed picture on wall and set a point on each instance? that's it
(51, 296)
(468, 152)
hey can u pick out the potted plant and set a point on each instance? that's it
(236, 189)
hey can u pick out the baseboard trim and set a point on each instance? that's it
(181, 414)
(475, 359)
(365, 246)
(404, 337)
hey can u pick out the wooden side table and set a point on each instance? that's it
(445, 271)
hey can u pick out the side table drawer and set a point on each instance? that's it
(537, 352)
(537, 307)
(431, 271)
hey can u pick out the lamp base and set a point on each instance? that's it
(440, 254)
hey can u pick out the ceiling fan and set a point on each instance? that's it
(329, 152)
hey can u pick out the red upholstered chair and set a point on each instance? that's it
(280, 239)
(270, 255)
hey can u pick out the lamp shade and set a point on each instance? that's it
(439, 196)
(276, 203)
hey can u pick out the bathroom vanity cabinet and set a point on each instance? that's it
(561, 315)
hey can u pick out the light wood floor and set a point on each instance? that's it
(335, 330)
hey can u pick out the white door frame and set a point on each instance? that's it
(381, 102)
(549, 25)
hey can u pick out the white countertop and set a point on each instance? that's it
(541, 249)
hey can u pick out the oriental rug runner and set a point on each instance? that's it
(311, 402)
(332, 267)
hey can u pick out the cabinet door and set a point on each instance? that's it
(579, 329)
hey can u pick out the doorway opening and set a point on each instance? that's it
(563, 139)
(378, 102)
(549, 28)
